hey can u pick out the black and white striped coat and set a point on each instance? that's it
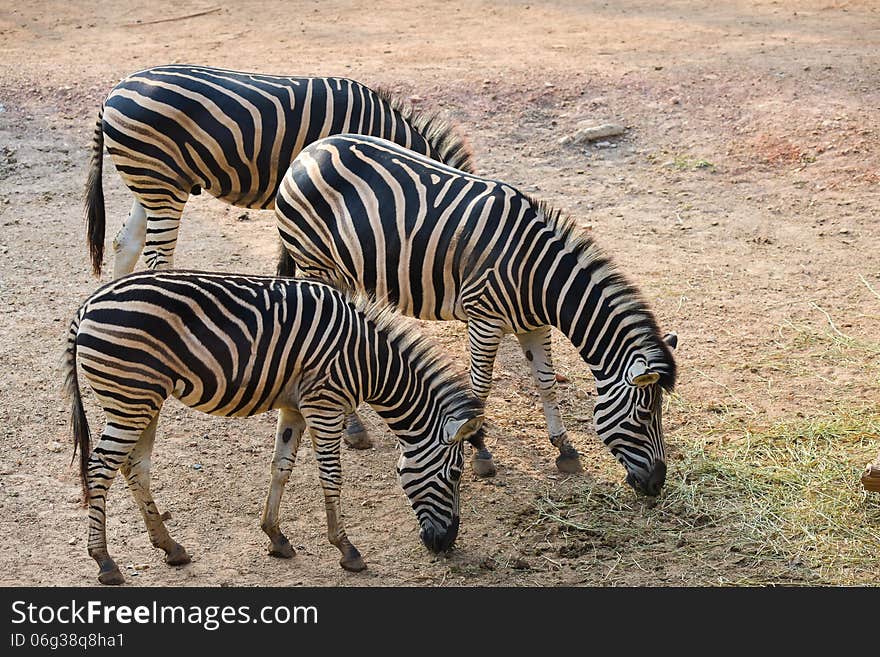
(443, 244)
(172, 131)
(234, 345)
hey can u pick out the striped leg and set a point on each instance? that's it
(536, 347)
(136, 470)
(109, 454)
(484, 339)
(326, 431)
(164, 208)
(129, 241)
(287, 436)
(162, 228)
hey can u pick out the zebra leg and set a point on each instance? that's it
(484, 339)
(536, 347)
(356, 435)
(104, 462)
(136, 470)
(164, 209)
(326, 431)
(129, 241)
(287, 436)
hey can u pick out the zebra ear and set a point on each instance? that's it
(671, 340)
(640, 376)
(457, 430)
(646, 379)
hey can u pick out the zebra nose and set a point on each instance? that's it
(439, 539)
(656, 479)
(651, 484)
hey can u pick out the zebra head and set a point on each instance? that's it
(430, 474)
(628, 417)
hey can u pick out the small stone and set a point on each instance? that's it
(415, 99)
(602, 144)
(561, 378)
(588, 133)
(72, 541)
(244, 216)
(521, 564)
(844, 231)
(55, 447)
(487, 564)
(197, 466)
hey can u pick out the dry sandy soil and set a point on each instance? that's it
(742, 200)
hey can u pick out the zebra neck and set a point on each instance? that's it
(388, 118)
(400, 388)
(392, 387)
(598, 312)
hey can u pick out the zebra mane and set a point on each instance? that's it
(451, 148)
(589, 255)
(402, 333)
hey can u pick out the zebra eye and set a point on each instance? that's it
(455, 475)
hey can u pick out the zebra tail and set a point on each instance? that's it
(94, 198)
(78, 422)
(286, 264)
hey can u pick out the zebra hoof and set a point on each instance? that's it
(483, 467)
(177, 556)
(111, 576)
(358, 440)
(353, 563)
(282, 550)
(569, 464)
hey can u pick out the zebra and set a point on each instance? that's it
(236, 346)
(176, 130)
(443, 244)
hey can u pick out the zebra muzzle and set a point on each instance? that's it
(649, 485)
(438, 539)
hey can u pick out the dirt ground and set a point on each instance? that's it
(742, 200)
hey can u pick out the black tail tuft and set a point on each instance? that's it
(94, 198)
(286, 264)
(79, 424)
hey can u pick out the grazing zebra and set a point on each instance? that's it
(173, 131)
(233, 345)
(443, 244)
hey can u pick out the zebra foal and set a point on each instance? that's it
(234, 345)
(443, 244)
(172, 131)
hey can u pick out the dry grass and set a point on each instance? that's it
(783, 506)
